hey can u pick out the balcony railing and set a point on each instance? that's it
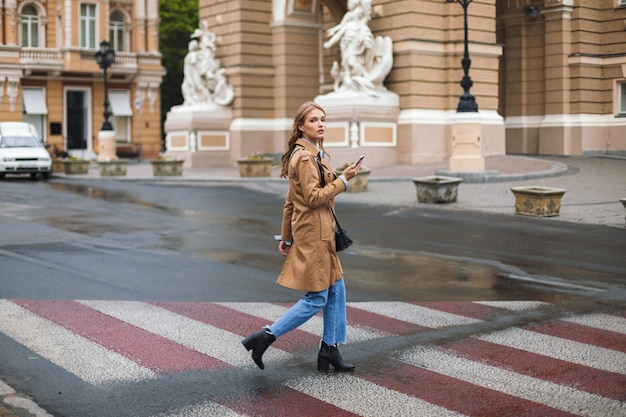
(40, 56)
(55, 56)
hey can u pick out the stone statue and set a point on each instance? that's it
(365, 60)
(204, 81)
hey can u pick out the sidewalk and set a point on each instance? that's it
(594, 185)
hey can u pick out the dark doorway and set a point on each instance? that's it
(76, 119)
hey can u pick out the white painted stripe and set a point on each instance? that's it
(422, 316)
(514, 305)
(315, 325)
(365, 398)
(558, 348)
(85, 359)
(188, 332)
(206, 409)
(502, 380)
(600, 321)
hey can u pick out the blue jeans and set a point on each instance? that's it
(333, 303)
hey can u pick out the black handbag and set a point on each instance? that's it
(342, 240)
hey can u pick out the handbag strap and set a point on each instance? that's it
(323, 183)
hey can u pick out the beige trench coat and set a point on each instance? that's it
(312, 264)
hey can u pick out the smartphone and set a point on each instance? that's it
(360, 159)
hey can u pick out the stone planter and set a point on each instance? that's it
(73, 167)
(260, 167)
(437, 189)
(58, 166)
(359, 183)
(537, 201)
(112, 168)
(165, 168)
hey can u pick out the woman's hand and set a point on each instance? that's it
(283, 248)
(352, 170)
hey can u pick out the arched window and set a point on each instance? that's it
(30, 26)
(117, 31)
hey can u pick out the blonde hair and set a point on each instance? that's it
(295, 134)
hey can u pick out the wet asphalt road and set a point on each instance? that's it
(160, 233)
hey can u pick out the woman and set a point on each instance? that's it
(308, 242)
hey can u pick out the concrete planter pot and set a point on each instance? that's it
(537, 201)
(257, 167)
(437, 189)
(73, 167)
(112, 168)
(58, 166)
(167, 168)
(360, 182)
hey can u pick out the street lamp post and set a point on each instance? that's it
(106, 137)
(467, 102)
(105, 57)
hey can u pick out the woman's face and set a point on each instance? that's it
(314, 126)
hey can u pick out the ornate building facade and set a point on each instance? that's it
(49, 75)
(549, 76)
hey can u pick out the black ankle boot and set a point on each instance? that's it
(258, 342)
(330, 355)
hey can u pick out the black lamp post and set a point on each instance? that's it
(105, 57)
(467, 102)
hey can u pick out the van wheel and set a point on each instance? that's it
(45, 175)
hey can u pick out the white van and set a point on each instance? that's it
(21, 151)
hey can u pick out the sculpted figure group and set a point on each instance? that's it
(204, 80)
(365, 60)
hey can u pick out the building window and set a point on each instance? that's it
(30, 27)
(34, 109)
(88, 26)
(122, 112)
(117, 31)
(622, 98)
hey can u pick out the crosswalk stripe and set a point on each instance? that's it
(601, 321)
(514, 305)
(366, 398)
(555, 347)
(272, 312)
(581, 333)
(201, 337)
(422, 316)
(453, 393)
(533, 389)
(85, 359)
(239, 322)
(150, 350)
(283, 401)
(606, 384)
(204, 409)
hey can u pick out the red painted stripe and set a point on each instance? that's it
(281, 401)
(453, 394)
(462, 308)
(147, 349)
(606, 384)
(239, 323)
(356, 316)
(581, 333)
